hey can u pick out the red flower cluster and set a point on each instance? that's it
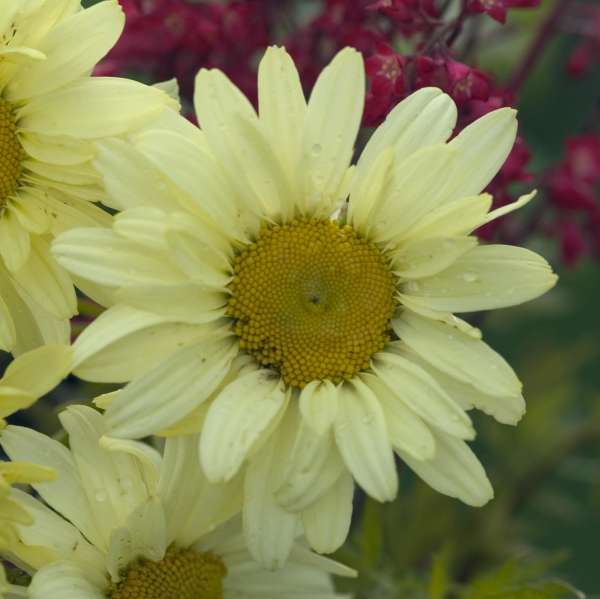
(497, 9)
(573, 189)
(587, 52)
(461, 82)
(174, 38)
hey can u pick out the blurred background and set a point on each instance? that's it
(539, 538)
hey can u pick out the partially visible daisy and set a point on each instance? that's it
(124, 522)
(298, 311)
(13, 515)
(51, 111)
(32, 375)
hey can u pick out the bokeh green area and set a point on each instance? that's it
(544, 524)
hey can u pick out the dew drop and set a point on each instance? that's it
(470, 277)
(317, 149)
(101, 496)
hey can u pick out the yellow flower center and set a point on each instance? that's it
(11, 152)
(181, 574)
(312, 299)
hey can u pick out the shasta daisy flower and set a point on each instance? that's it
(129, 523)
(298, 311)
(51, 111)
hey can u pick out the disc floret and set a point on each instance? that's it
(181, 574)
(312, 299)
(11, 153)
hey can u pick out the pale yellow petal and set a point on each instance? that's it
(362, 439)
(485, 278)
(327, 521)
(237, 419)
(333, 118)
(454, 471)
(166, 394)
(72, 49)
(282, 107)
(426, 117)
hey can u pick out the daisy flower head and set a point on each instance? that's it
(122, 521)
(298, 311)
(51, 111)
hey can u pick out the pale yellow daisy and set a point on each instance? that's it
(51, 111)
(124, 522)
(297, 310)
(13, 515)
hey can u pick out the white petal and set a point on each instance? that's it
(143, 536)
(333, 117)
(72, 48)
(423, 394)
(370, 189)
(93, 107)
(311, 468)
(123, 343)
(63, 580)
(192, 504)
(508, 208)
(458, 355)
(427, 257)
(50, 537)
(237, 419)
(485, 278)
(269, 530)
(46, 283)
(8, 332)
(130, 178)
(319, 405)
(418, 307)
(417, 187)
(362, 439)
(483, 147)
(196, 304)
(327, 521)
(51, 364)
(454, 471)
(169, 392)
(102, 256)
(201, 261)
(112, 480)
(144, 225)
(282, 106)
(406, 430)
(14, 241)
(203, 188)
(452, 218)
(65, 496)
(34, 326)
(507, 409)
(233, 132)
(426, 117)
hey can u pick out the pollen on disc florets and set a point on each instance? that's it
(312, 299)
(11, 153)
(181, 574)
